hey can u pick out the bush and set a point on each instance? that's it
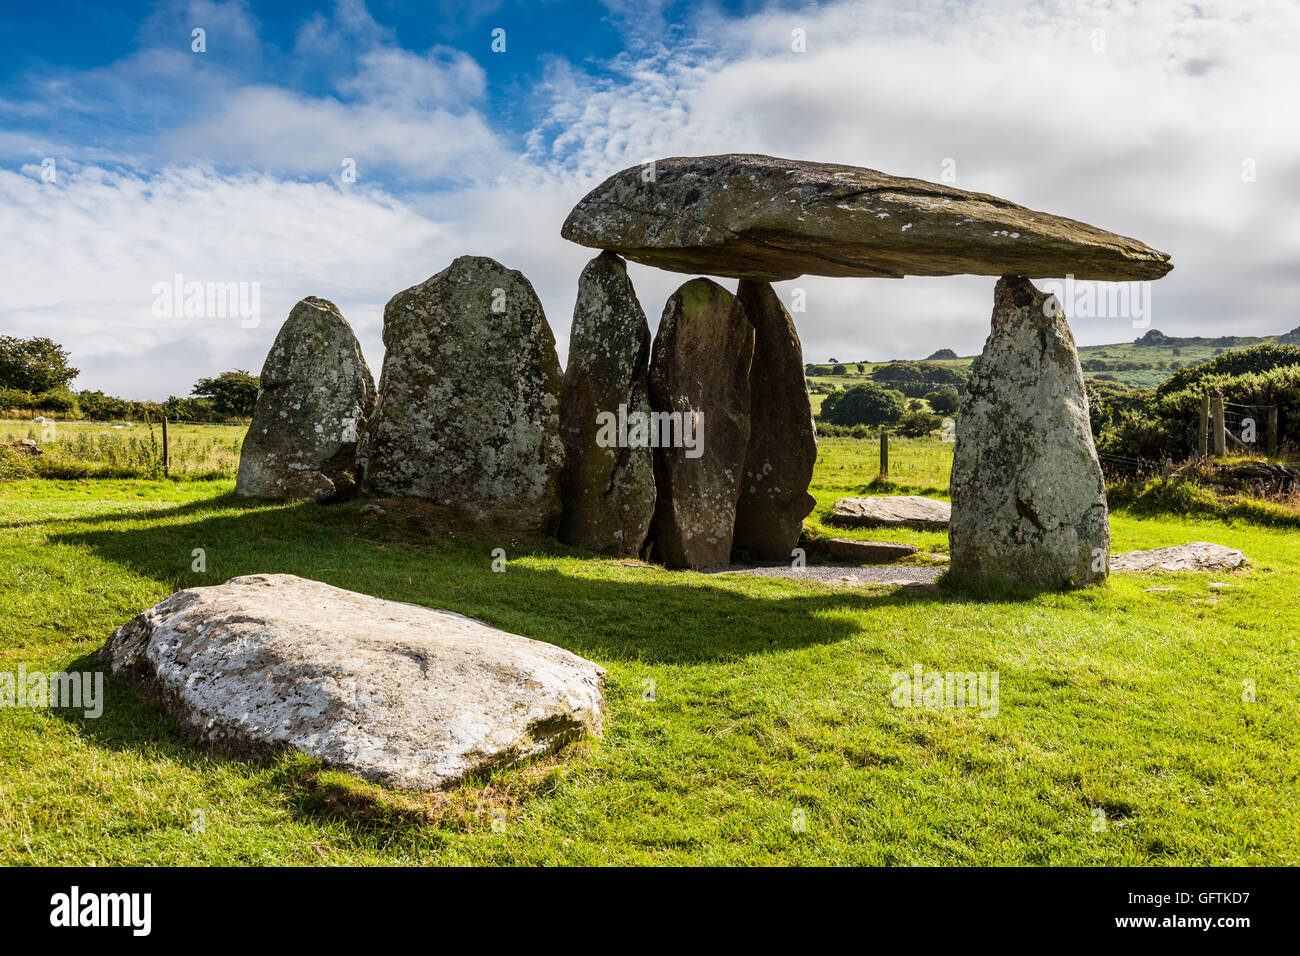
(918, 423)
(945, 401)
(865, 404)
(914, 379)
(1258, 358)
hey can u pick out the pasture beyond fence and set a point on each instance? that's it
(154, 448)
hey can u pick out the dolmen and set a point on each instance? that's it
(1028, 500)
(697, 445)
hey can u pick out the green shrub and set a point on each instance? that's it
(865, 404)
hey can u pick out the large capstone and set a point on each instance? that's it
(782, 450)
(1028, 499)
(317, 395)
(699, 392)
(404, 695)
(608, 486)
(469, 398)
(765, 218)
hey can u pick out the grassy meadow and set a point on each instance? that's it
(73, 450)
(1149, 721)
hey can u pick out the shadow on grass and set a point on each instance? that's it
(610, 611)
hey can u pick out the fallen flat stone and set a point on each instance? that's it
(1028, 498)
(469, 399)
(782, 450)
(1197, 556)
(608, 487)
(838, 575)
(404, 695)
(760, 217)
(317, 395)
(904, 511)
(699, 377)
(870, 552)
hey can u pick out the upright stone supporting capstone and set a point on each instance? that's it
(782, 449)
(317, 395)
(469, 399)
(1028, 498)
(608, 486)
(699, 384)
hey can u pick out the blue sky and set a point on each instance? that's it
(227, 165)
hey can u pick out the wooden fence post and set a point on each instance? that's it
(1203, 437)
(1220, 435)
(884, 454)
(1273, 440)
(167, 460)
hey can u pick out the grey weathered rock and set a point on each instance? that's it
(699, 371)
(608, 490)
(841, 576)
(869, 552)
(885, 511)
(1028, 499)
(404, 695)
(765, 218)
(469, 398)
(782, 450)
(1197, 556)
(317, 395)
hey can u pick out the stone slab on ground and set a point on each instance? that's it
(901, 511)
(838, 575)
(1197, 556)
(404, 695)
(869, 552)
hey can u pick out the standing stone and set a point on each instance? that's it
(608, 488)
(774, 497)
(699, 377)
(469, 398)
(1028, 499)
(317, 395)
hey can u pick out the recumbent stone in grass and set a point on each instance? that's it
(317, 394)
(400, 694)
(469, 397)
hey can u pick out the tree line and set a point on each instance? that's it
(36, 375)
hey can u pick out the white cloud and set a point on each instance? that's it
(1146, 137)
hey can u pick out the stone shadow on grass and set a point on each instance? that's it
(547, 592)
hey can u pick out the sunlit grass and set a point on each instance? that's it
(771, 696)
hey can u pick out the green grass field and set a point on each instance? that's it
(75, 449)
(1120, 705)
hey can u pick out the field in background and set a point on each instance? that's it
(1125, 733)
(73, 449)
(1112, 357)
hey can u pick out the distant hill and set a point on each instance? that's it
(940, 355)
